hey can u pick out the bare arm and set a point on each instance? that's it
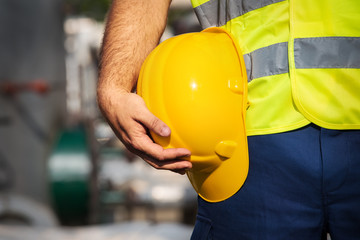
(133, 29)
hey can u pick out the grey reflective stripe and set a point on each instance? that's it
(267, 61)
(218, 12)
(320, 52)
(327, 52)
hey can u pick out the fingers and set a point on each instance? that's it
(168, 159)
(179, 165)
(130, 120)
(175, 159)
(153, 123)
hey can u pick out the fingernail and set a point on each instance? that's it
(165, 131)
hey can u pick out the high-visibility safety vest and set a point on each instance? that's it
(302, 59)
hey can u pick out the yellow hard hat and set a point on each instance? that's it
(196, 83)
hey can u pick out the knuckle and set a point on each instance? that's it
(154, 164)
(155, 122)
(160, 158)
(135, 144)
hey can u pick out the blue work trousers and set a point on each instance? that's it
(302, 184)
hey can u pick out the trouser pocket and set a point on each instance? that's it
(202, 229)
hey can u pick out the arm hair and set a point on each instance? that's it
(133, 29)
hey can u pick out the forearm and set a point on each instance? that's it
(133, 29)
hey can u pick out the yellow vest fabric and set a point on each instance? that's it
(302, 59)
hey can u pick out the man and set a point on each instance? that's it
(303, 68)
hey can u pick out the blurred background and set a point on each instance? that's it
(63, 174)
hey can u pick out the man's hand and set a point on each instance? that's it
(130, 119)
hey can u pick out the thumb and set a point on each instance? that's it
(154, 124)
